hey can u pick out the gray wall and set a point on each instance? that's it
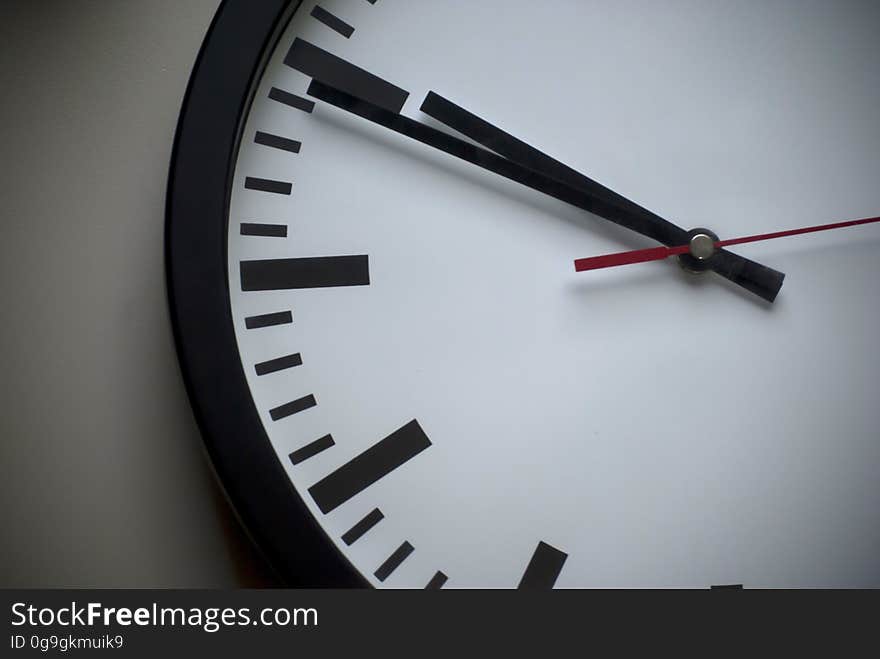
(104, 479)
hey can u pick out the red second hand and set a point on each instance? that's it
(660, 253)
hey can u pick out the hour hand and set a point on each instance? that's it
(759, 279)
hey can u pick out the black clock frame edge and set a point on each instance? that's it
(221, 87)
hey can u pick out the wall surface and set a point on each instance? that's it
(105, 482)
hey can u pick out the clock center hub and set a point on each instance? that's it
(702, 246)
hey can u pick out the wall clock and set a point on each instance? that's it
(401, 379)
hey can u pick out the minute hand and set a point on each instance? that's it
(493, 162)
(759, 279)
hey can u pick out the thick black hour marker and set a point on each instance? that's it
(335, 71)
(279, 364)
(313, 272)
(291, 100)
(544, 568)
(266, 230)
(293, 407)
(393, 562)
(437, 581)
(362, 471)
(333, 22)
(357, 531)
(312, 449)
(268, 320)
(277, 142)
(267, 185)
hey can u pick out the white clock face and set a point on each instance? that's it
(456, 405)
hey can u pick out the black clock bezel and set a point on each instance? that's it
(221, 87)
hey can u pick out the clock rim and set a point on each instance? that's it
(221, 87)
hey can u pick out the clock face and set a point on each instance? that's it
(403, 381)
